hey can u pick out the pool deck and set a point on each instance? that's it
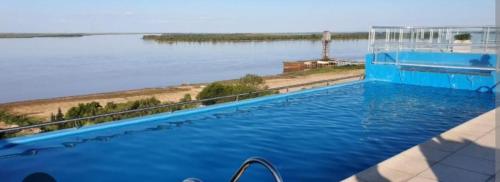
(464, 153)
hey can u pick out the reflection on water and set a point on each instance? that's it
(53, 67)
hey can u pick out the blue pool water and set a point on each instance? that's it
(325, 135)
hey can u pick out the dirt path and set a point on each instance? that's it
(43, 108)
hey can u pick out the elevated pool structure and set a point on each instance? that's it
(432, 56)
(414, 90)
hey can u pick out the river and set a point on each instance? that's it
(38, 68)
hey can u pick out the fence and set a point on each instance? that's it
(396, 42)
(235, 97)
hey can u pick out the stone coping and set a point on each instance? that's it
(464, 153)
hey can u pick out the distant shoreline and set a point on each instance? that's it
(56, 35)
(36, 35)
(200, 37)
(249, 37)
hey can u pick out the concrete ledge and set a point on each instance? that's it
(464, 153)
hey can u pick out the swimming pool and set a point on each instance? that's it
(323, 135)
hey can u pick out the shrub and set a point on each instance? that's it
(92, 109)
(143, 103)
(246, 84)
(59, 116)
(187, 98)
(214, 90)
(250, 79)
(20, 120)
(464, 36)
(83, 110)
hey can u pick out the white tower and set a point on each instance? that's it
(327, 38)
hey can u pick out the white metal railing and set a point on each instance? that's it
(396, 39)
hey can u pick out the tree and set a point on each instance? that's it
(59, 116)
(110, 107)
(143, 103)
(52, 117)
(186, 98)
(464, 36)
(83, 110)
(92, 109)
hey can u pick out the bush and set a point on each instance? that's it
(94, 108)
(59, 116)
(246, 84)
(250, 79)
(143, 103)
(464, 36)
(187, 98)
(215, 90)
(20, 120)
(84, 110)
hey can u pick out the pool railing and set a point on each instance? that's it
(399, 40)
(257, 160)
(236, 97)
(447, 57)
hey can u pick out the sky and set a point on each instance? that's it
(228, 16)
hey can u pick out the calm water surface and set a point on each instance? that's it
(54, 67)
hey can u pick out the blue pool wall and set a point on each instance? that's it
(455, 80)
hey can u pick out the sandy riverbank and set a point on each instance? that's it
(43, 108)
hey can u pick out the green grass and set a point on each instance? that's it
(325, 70)
(17, 119)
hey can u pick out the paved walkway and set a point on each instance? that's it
(464, 153)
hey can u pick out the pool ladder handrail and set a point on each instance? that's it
(257, 160)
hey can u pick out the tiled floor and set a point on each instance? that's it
(464, 153)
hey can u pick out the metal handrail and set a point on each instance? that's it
(437, 44)
(257, 160)
(409, 27)
(397, 39)
(439, 66)
(236, 96)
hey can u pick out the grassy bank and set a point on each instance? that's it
(243, 37)
(326, 70)
(246, 84)
(77, 107)
(88, 110)
(16, 119)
